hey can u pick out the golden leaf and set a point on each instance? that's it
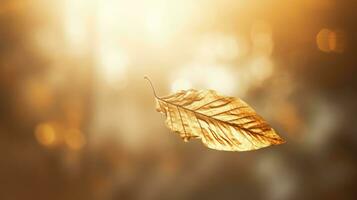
(222, 123)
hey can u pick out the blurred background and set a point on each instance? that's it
(78, 121)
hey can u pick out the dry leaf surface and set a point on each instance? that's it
(222, 123)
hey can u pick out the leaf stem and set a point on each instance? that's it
(152, 87)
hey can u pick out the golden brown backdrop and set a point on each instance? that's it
(78, 121)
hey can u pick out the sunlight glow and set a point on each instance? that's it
(220, 79)
(203, 76)
(76, 19)
(164, 20)
(113, 63)
(261, 68)
(220, 47)
(180, 84)
(156, 25)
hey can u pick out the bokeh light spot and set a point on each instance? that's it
(322, 40)
(74, 139)
(331, 41)
(45, 134)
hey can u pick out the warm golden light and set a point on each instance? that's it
(76, 14)
(78, 120)
(180, 84)
(330, 41)
(113, 62)
(156, 25)
(201, 75)
(219, 78)
(45, 134)
(261, 35)
(74, 139)
(322, 40)
(220, 47)
(38, 95)
(261, 68)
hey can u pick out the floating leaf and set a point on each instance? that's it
(222, 123)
